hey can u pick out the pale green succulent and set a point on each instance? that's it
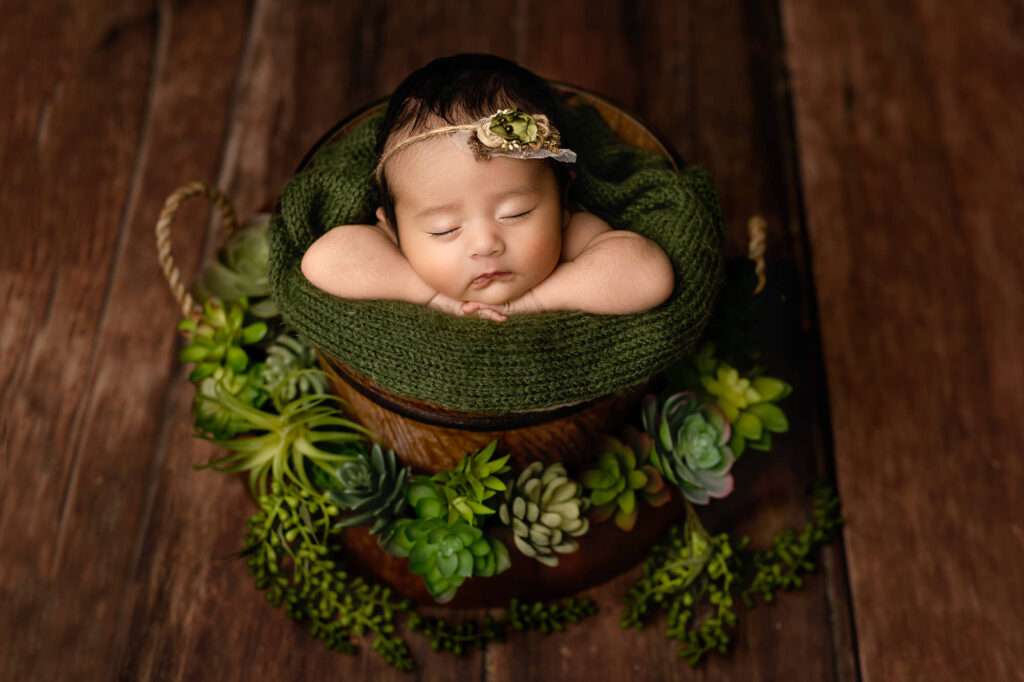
(691, 445)
(281, 447)
(545, 509)
(241, 269)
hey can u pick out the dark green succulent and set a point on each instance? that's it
(691, 445)
(545, 509)
(291, 370)
(372, 485)
(241, 270)
(473, 481)
(216, 340)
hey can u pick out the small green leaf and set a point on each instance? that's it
(773, 417)
(237, 359)
(749, 426)
(254, 332)
(193, 353)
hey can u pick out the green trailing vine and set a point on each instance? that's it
(695, 577)
(313, 473)
(465, 636)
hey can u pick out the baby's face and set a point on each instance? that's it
(459, 218)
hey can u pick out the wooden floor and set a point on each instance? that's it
(883, 142)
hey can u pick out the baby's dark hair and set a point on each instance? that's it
(461, 89)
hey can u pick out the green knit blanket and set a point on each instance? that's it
(528, 362)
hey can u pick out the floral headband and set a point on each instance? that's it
(507, 132)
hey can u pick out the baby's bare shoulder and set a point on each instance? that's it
(582, 228)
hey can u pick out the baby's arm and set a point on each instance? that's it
(362, 262)
(603, 271)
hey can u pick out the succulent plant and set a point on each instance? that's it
(749, 404)
(545, 510)
(691, 445)
(210, 415)
(615, 483)
(291, 369)
(307, 433)
(474, 480)
(241, 269)
(216, 340)
(372, 485)
(655, 493)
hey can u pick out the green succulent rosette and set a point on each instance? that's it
(616, 483)
(749, 404)
(545, 509)
(691, 445)
(216, 339)
(372, 485)
(445, 554)
(291, 370)
(241, 270)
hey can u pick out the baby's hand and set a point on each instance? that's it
(446, 305)
(451, 306)
(496, 313)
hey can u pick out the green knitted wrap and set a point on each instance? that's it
(528, 362)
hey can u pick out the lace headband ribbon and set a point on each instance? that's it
(507, 132)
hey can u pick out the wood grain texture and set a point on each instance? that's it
(110, 542)
(911, 141)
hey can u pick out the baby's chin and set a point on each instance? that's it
(495, 293)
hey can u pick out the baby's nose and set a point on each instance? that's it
(488, 243)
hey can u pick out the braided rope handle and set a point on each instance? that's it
(189, 308)
(757, 229)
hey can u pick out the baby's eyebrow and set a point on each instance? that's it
(454, 206)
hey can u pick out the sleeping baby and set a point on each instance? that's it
(474, 217)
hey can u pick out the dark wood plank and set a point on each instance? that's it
(76, 83)
(716, 96)
(911, 138)
(196, 616)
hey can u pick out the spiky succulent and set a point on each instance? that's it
(372, 485)
(474, 480)
(281, 447)
(216, 340)
(291, 369)
(545, 509)
(691, 445)
(241, 269)
(615, 483)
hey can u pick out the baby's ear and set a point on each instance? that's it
(381, 218)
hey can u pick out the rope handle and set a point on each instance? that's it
(189, 308)
(757, 229)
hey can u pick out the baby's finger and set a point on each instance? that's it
(492, 315)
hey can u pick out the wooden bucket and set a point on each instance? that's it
(432, 438)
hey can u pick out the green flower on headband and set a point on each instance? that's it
(509, 128)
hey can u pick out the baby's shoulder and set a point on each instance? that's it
(582, 228)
